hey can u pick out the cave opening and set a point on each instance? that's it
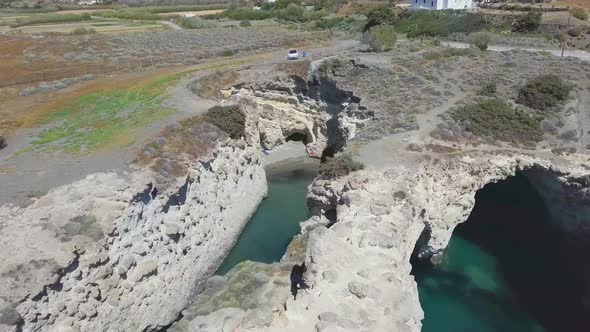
(297, 137)
(509, 267)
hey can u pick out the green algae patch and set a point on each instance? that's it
(100, 120)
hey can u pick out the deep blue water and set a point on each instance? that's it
(508, 268)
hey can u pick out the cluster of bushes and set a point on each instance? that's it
(83, 31)
(544, 92)
(497, 119)
(194, 22)
(50, 18)
(2, 142)
(340, 165)
(229, 119)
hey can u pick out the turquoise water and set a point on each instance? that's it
(275, 222)
(508, 268)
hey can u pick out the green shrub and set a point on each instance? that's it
(245, 23)
(527, 22)
(543, 92)
(83, 31)
(340, 165)
(378, 16)
(194, 22)
(580, 13)
(488, 90)
(480, 40)
(497, 119)
(229, 119)
(228, 52)
(2, 142)
(382, 38)
(575, 31)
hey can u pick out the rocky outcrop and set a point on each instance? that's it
(113, 253)
(277, 112)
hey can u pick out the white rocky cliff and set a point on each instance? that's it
(111, 253)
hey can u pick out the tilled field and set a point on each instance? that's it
(51, 57)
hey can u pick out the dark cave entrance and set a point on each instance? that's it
(297, 137)
(509, 267)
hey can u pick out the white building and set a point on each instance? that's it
(441, 4)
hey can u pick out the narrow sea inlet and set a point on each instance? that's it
(276, 221)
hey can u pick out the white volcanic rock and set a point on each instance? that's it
(109, 253)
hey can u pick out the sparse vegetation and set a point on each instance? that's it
(580, 13)
(339, 166)
(381, 38)
(229, 119)
(245, 23)
(447, 53)
(544, 92)
(194, 23)
(130, 14)
(480, 40)
(497, 119)
(288, 11)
